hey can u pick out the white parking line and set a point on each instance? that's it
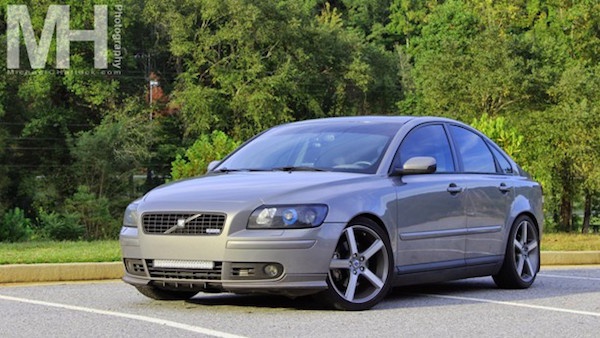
(568, 277)
(530, 306)
(195, 329)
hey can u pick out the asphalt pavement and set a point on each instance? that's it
(563, 302)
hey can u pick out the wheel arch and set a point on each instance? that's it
(389, 232)
(375, 219)
(526, 206)
(534, 219)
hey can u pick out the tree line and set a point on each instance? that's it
(197, 77)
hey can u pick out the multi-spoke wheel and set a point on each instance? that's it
(360, 272)
(522, 258)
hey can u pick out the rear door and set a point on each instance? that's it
(489, 195)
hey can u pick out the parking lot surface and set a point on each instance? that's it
(563, 302)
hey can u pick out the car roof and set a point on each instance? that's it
(400, 120)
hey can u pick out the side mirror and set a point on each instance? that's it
(417, 165)
(212, 165)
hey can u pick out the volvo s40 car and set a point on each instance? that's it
(342, 207)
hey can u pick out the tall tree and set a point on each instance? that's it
(464, 65)
(250, 65)
(49, 110)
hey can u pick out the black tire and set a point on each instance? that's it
(361, 268)
(522, 257)
(162, 294)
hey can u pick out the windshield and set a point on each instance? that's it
(351, 147)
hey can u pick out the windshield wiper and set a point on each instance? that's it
(288, 168)
(298, 168)
(225, 170)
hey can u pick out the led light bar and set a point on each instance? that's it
(179, 264)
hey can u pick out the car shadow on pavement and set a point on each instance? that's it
(398, 297)
(483, 288)
(458, 286)
(259, 301)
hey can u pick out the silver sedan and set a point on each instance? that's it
(344, 208)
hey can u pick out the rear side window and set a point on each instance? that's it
(430, 140)
(505, 167)
(474, 152)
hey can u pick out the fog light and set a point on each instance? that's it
(135, 267)
(271, 270)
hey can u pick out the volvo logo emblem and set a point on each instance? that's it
(181, 222)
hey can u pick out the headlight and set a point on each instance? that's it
(130, 216)
(287, 216)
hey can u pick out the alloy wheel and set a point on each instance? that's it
(527, 254)
(359, 270)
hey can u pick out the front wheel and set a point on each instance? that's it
(522, 258)
(360, 272)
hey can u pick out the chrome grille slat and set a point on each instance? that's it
(205, 224)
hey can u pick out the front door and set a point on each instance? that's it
(431, 207)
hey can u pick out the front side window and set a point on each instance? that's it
(475, 154)
(428, 141)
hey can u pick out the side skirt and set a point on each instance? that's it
(446, 271)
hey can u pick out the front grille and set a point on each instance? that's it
(189, 274)
(183, 223)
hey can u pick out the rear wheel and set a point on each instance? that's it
(162, 294)
(522, 258)
(360, 272)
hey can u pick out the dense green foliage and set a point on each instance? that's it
(197, 157)
(75, 148)
(60, 227)
(15, 226)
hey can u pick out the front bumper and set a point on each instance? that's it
(239, 260)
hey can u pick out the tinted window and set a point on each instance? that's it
(430, 141)
(505, 166)
(475, 154)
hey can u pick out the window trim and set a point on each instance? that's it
(453, 153)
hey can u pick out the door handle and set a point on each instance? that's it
(454, 189)
(503, 188)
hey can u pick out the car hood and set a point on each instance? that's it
(247, 188)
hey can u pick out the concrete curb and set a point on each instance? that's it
(570, 257)
(32, 273)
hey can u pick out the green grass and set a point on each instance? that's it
(59, 252)
(109, 251)
(570, 242)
